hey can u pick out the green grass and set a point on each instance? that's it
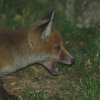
(84, 45)
(35, 96)
(89, 88)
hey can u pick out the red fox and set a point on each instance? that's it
(39, 43)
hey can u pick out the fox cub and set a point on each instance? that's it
(39, 43)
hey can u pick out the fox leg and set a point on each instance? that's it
(4, 95)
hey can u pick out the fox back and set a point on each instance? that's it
(39, 43)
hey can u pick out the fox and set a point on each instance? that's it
(39, 43)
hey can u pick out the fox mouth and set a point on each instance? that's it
(54, 68)
(51, 66)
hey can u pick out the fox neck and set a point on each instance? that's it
(21, 62)
(29, 59)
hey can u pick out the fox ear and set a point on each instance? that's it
(48, 25)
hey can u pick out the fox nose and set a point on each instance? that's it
(72, 61)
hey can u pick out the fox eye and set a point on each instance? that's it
(58, 48)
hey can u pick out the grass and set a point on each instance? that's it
(35, 96)
(79, 82)
(89, 89)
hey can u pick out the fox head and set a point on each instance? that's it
(51, 42)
